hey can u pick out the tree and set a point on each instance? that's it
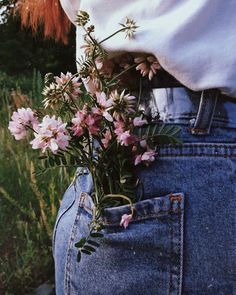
(21, 52)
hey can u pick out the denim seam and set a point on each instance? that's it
(196, 155)
(192, 150)
(60, 214)
(179, 249)
(69, 250)
(56, 225)
(171, 251)
(180, 243)
(155, 215)
(220, 145)
(173, 288)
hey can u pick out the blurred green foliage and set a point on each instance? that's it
(28, 204)
(20, 51)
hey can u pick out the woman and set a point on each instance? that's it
(185, 240)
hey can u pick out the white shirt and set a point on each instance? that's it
(194, 40)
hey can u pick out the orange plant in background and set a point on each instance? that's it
(45, 13)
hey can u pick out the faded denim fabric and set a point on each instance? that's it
(183, 239)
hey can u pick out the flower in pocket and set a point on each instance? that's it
(125, 220)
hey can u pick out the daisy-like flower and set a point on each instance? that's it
(71, 84)
(51, 134)
(130, 28)
(105, 105)
(147, 65)
(123, 104)
(52, 94)
(125, 220)
(20, 120)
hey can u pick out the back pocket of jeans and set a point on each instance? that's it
(144, 258)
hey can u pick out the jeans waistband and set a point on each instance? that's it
(180, 105)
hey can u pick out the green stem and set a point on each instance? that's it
(140, 92)
(68, 82)
(122, 197)
(120, 74)
(120, 30)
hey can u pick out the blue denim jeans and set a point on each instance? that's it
(183, 239)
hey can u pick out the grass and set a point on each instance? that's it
(28, 204)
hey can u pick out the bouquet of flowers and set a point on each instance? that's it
(90, 119)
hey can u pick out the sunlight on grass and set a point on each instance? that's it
(28, 206)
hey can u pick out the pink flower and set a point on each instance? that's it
(145, 158)
(138, 121)
(119, 127)
(83, 120)
(92, 123)
(126, 138)
(78, 122)
(90, 85)
(147, 65)
(149, 156)
(73, 86)
(105, 105)
(125, 220)
(20, 120)
(107, 138)
(138, 160)
(51, 134)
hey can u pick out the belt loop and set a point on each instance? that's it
(201, 125)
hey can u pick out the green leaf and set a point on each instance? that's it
(42, 157)
(86, 252)
(46, 164)
(51, 161)
(95, 244)
(72, 160)
(96, 235)
(89, 248)
(57, 160)
(154, 130)
(78, 256)
(80, 243)
(63, 160)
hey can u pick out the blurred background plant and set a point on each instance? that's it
(28, 204)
